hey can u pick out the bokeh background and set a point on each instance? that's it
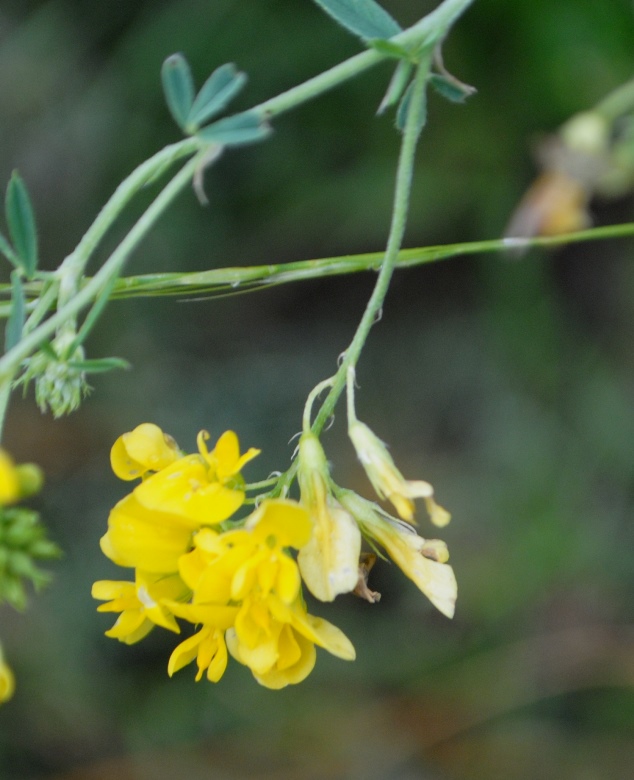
(507, 384)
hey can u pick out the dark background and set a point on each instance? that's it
(508, 385)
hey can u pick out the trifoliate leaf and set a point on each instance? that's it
(236, 130)
(178, 86)
(21, 222)
(221, 87)
(364, 18)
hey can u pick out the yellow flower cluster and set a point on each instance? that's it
(240, 586)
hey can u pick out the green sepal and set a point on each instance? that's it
(46, 348)
(21, 222)
(7, 251)
(99, 365)
(220, 88)
(364, 18)
(390, 49)
(246, 128)
(178, 87)
(450, 88)
(403, 110)
(17, 317)
(398, 84)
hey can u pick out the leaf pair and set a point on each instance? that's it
(191, 111)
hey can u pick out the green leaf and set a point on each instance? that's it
(246, 128)
(17, 317)
(7, 251)
(21, 222)
(99, 365)
(221, 87)
(450, 88)
(178, 86)
(364, 18)
(397, 85)
(403, 110)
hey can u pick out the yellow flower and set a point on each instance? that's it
(423, 561)
(152, 527)
(7, 680)
(276, 640)
(329, 562)
(247, 588)
(229, 566)
(387, 480)
(141, 604)
(142, 450)
(205, 488)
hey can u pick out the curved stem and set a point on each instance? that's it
(12, 359)
(397, 230)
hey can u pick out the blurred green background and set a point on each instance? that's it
(508, 385)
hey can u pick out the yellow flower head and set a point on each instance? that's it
(141, 604)
(7, 680)
(329, 562)
(141, 451)
(423, 561)
(386, 479)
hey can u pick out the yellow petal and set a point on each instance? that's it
(286, 521)
(144, 538)
(278, 678)
(184, 489)
(9, 483)
(144, 449)
(184, 653)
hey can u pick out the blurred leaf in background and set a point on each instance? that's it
(507, 384)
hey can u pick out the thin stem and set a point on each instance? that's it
(5, 394)
(75, 263)
(12, 359)
(413, 127)
(350, 380)
(397, 230)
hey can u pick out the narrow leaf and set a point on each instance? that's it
(397, 85)
(450, 88)
(403, 110)
(236, 130)
(221, 87)
(99, 365)
(17, 317)
(364, 18)
(21, 222)
(178, 86)
(7, 251)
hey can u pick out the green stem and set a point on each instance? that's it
(73, 266)
(413, 127)
(5, 394)
(12, 359)
(397, 231)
